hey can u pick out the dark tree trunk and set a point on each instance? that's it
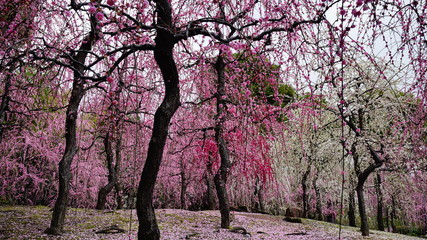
(210, 187)
(362, 211)
(77, 92)
(380, 220)
(163, 54)
(351, 209)
(183, 189)
(319, 214)
(222, 174)
(304, 192)
(112, 178)
(118, 185)
(4, 106)
(362, 177)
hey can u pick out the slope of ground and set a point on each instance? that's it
(23, 222)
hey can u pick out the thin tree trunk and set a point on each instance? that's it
(319, 214)
(380, 220)
(118, 185)
(4, 106)
(304, 192)
(163, 54)
(210, 187)
(351, 208)
(77, 92)
(105, 190)
(222, 174)
(183, 189)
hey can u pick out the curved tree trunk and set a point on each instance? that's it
(59, 211)
(105, 190)
(222, 174)
(163, 54)
(362, 177)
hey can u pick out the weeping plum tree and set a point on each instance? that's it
(89, 40)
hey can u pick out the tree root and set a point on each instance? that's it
(111, 230)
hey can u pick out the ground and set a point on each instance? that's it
(23, 222)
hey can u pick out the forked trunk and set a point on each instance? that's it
(112, 178)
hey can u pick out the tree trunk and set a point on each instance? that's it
(261, 199)
(319, 215)
(183, 189)
(105, 190)
(210, 187)
(163, 54)
(59, 211)
(362, 176)
(351, 209)
(222, 174)
(304, 192)
(77, 92)
(4, 106)
(379, 202)
(118, 185)
(362, 211)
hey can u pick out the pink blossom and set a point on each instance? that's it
(99, 16)
(92, 10)
(111, 2)
(110, 79)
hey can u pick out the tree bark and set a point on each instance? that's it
(163, 54)
(319, 214)
(379, 193)
(351, 209)
(77, 92)
(118, 186)
(210, 187)
(4, 106)
(304, 192)
(105, 190)
(183, 189)
(362, 211)
(222, 174)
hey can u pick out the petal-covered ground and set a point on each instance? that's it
(22, 222)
